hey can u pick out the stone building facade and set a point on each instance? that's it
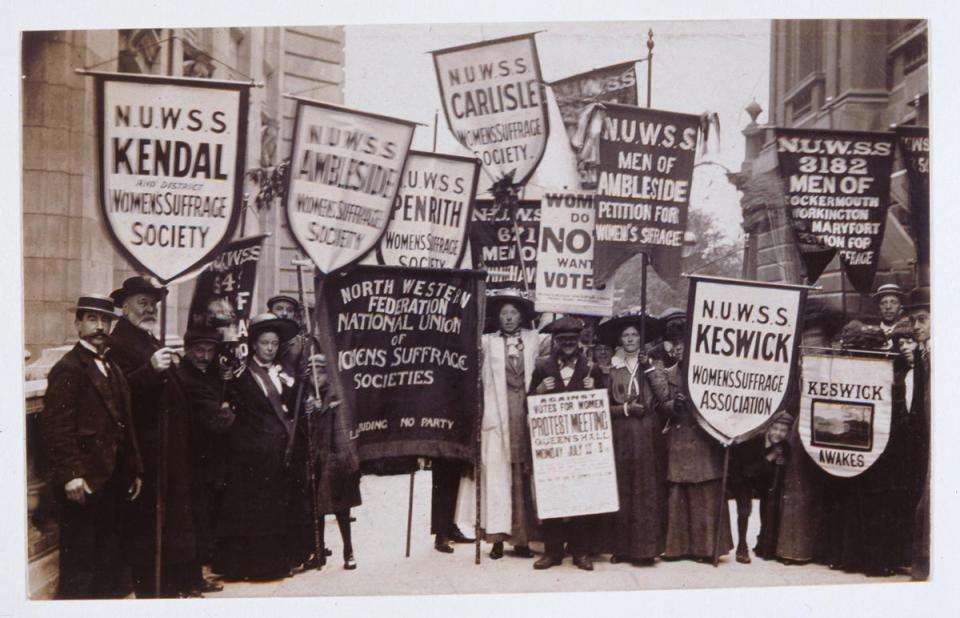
(66, 250)
(863, 75)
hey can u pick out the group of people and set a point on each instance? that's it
(247, 460)
(672, 502)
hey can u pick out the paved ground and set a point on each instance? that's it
(379, 543)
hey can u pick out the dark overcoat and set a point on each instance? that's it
(258, 484)
(154, 397)
(85, 426)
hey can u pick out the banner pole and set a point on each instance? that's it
(513, 201)
(410, 511)
(161, 465)
(643, 322)
(481, 290)
(649, 66)
(723, 505)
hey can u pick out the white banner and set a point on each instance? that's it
(572, 443)
(741, 344)
(171, 168)
(431, 212)
(845, 411)
(565, 257)
(344, 175)
(495, 103)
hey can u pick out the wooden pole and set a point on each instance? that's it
(161, 464)
(410, 512)
(477, 473)
(722, 505)
(649, 66)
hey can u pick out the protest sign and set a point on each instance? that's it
(344, 175)
(574, 472)
(431, 212)
(580, 98)
(495, 105)
(837, 186)
(171, 155)
(845, 410)
(403, 346)
(565, 257)
(915, 150)
(643, 188)
(493, 243)
(223, 294)
(741, 344)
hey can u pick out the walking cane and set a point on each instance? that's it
(311, 447)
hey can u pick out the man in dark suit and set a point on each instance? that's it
(565, 370)
(91, 451)
(163, 428)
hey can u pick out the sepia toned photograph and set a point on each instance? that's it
(361, 310)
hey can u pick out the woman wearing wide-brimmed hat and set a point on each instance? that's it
(253, 527)
(509, 355)
(635, 533)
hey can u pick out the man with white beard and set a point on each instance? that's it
(158, 407)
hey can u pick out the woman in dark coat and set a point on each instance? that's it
(253, 526)
(694, 476)
(635, 532)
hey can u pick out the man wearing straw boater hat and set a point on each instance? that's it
(90, 445)
(889, 299)
(160, 416)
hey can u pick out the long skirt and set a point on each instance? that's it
(252, 557)
(524, 527)
(692, 520)
(636, 531)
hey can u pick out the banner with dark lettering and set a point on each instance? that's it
(837, 186)
(344, 175)
(580, 98)
(741, 347)
(845, 410)
(915, 150)
(643, 188)
(574, 472)
(493, 243)
(223, 293)
(495, 104)
(171, 155)
(403, 346)
(565, 257)
(431, 213)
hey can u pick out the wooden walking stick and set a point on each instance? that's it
(723, 505)
(161, 463)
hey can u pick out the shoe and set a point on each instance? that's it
(349, 563)
(617, 559)
(442, 545)
(522, 551)
(192, 594)
(208, 586)
(458, 537)
(497, 552)
(743, 556)
(327, 551)
(584, 563)
(314, 562)
(644, 562)
(546, 562)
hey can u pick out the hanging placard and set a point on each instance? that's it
(493, 243)
(495, 105)
(344, 175)
(171, 154)
(915, 150)
(845, 410)
(565, 257)
(741, 344)
(837, 185)
(431, 213)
